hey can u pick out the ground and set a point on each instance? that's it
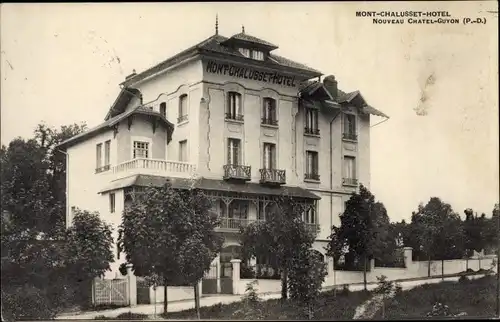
(475, 297)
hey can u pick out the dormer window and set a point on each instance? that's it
(257, 55)
(245, 52)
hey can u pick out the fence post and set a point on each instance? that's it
(236, 275)
(217, 273)
(132, 286)
(329, 267)
(408, 254)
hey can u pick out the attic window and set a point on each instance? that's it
(257, 55)
(245, 52)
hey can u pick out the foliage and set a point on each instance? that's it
(251, 308)
(364, 229)
(278, 237)
(383, 285)
(440, 310)
(170, 233)
(307, 274)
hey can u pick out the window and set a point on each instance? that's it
(269, 161)
(350, 127)
(183, 151)
(233, 151)
(163, 109)
(261, 214)
(269, 112)
(141, 150)
(310, 216)
(312, 172)
(237, 209)
(183, 109)
(244, 51)
(257, 55)
(98, 160)
(233, 110)
(350, 171)
(107, 152)
(312, 121)
(112, 203)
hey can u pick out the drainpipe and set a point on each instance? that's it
(331, 188)
(67, 186)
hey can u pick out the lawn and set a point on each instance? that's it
(330, 307)
(475, 297)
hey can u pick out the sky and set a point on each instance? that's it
(62, 63)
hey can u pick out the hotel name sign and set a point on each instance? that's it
(250, 73)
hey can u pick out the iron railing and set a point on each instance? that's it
(272, 176)
(311, 131)
(182, 118)
(234, 117)
(350, 136)
(311, 176)
(236, 171)
(349, 182)
(269, 121)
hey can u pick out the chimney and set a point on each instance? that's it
(131, 75)
(331, 85)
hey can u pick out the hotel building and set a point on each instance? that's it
(238, 121)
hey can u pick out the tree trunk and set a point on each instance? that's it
(165, 298)
(364, 272)
(197, 300)
(429, 266)
(466, 263)
(442, 269)
(284, 285)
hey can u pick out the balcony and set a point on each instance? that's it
(102, 169)
(350, 136)
(269, 121)
(272, 176)
(234, 224)
(311, 176)
(311, 131)
(234, 117)
(153, 167)
(350, 182)
(237, 172)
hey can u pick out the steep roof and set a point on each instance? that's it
(215, 44)
(110, 123)
(251, 39)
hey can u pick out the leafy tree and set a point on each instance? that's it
(437, 231)
(170, 233)
(307, 275)
(278, 237)
(474, 235)
(361, 228)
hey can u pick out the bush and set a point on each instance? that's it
(124, 316)
(384, 286)
(251, 308)
(345, 290)
(463, 278)
(27, 303)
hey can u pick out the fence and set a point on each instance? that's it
(111, 292)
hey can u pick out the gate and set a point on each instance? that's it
(209, 281)
(113, 291)
(226, 280)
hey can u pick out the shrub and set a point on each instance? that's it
(384, 286)
(345, 290)
(251, 305)
(463, 278)
(26, 303)
(439, 310)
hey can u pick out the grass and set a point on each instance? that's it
(329, 307)
(475, 297)
(124, 316)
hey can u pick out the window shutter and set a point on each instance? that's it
(316, 161)
(273, 156)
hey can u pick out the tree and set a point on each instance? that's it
(307, 274)
(473, 234)
(278, 237)
(170, 233)
(361, 229)
(437, 231)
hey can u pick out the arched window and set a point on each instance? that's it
(163, 109)
(233, 106)
(183, 108)
(269, 111)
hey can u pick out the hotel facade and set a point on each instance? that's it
(231, 117)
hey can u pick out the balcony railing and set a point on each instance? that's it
(234, 223)
(272, 176)
(314, 228)
(235, 171)
(154, 166)
(311, 176)
(311, 131)
(234, 117)
(182, 118)
(350, 136)
(269, 121)
(350, 182)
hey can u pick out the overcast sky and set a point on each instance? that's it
(61, 63)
